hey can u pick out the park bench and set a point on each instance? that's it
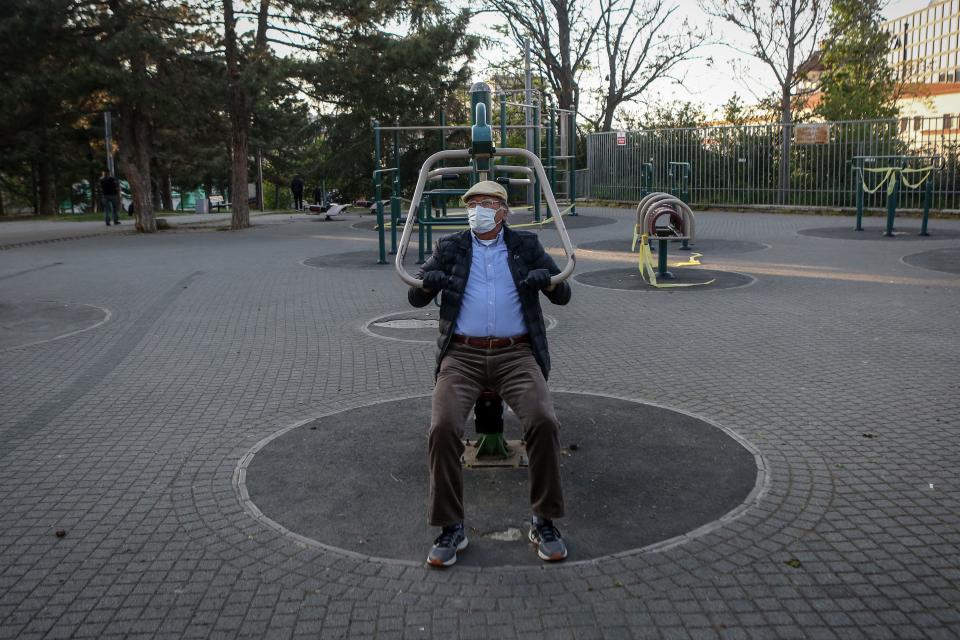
(217, 202)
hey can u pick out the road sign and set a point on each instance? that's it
(621, 138)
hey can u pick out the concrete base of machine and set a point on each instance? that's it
(30, 322)
(634, 475)
(877, 233)
(944, 260)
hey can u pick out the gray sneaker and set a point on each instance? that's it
(550, 546)
(443, 553)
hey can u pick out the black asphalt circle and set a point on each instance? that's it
(30, 322)
(417, 325)
(634, 475)
(945, 260)
(874, 232)
(579, 221)
(705, 246)
(628, 279)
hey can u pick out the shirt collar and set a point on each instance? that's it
(491, 241)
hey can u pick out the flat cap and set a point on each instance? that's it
(487, 188)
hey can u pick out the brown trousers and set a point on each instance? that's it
(514, 374)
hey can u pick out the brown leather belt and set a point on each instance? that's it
(490, 343)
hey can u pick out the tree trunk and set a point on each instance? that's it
(45, 199)
(135, 155)
(239, 121)
(786, 117)
(94, 193)
(166, 192)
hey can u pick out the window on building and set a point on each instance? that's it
(903, 124)
(947, 122)
(917, 123)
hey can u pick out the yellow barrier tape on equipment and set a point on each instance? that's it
(926, 171)
(694, 261)
(889, 172)
(649, 273)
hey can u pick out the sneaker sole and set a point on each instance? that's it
(453, 559)
(555, 558)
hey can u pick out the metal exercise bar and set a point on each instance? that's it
(533, 160)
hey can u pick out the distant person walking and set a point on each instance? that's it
(296, 186)
(318, 195)
(109, 197)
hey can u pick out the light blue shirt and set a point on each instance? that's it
(491, 304)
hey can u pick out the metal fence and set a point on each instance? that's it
(734, 165)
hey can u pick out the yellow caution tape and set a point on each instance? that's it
(694, 261)
(889, 173)
(926, 171)
(649, 273)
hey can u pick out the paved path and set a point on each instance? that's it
(25, 232)
(839, 365)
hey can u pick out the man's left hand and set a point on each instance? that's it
(537, 279)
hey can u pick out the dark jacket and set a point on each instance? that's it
(453, 254)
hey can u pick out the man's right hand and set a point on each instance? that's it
(434, 280)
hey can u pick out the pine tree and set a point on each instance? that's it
(858, 82)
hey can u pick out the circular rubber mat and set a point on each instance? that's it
(707, 245)
(634, 475)
(628, 279)
(900, 232)
(418, 325)
(945, 260)
(23, 323)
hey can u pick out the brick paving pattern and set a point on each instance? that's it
(839, 365)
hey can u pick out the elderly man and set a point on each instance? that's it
(492, 336)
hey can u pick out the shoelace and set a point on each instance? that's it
(548, 532)
(447, 538)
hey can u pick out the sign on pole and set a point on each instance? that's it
(621, 138)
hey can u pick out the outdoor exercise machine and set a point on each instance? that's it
(679, 174)
(559, 155)
(893, 175)
(666, 218)
(479, 162)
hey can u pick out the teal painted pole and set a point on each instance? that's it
(537, 188)
(573, 153)
(377, 179)
(421, 235)
(662, 260)
(860, 200)
(394, 212)
(551, 154)
(395, 197)
(927, 197)
(892, 203)
(503, 124)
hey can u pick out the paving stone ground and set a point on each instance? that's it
(839, 365)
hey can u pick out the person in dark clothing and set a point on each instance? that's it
(492, 336)
(318, 195)
(296, 186)
(109, 197)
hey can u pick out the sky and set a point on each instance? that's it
(721, 71)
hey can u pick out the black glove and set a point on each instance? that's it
(537, 279)
(434, 280)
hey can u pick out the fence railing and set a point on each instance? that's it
(741, 164)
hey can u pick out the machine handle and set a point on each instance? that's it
(452, 154)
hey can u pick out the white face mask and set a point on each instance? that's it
(482, 219)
